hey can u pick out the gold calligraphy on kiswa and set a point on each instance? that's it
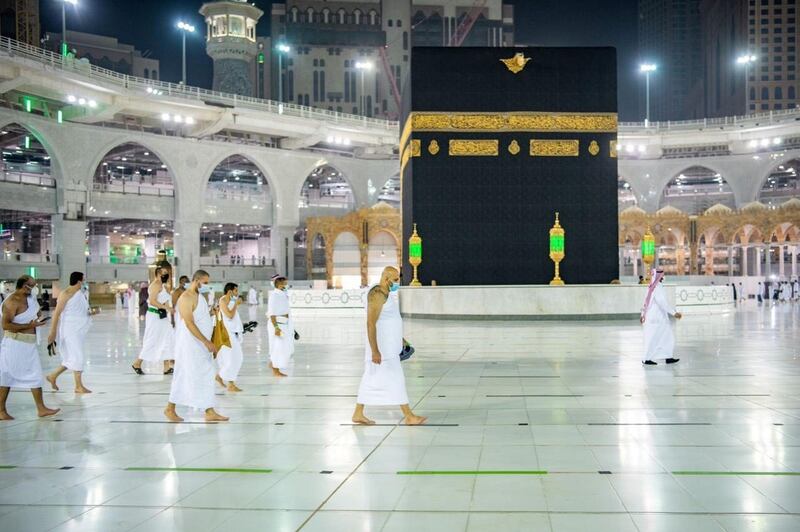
(474, 147)
(554, 148)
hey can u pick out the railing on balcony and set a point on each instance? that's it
(236, 260)
(54, 61)
(24, 178)
(238, 194)
(752, 120)
(27, 258)
(106, 259)
(129, 187)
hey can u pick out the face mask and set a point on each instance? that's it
(186, 286)
(35, 291)
(231, 304)
(164, 278)
(85, 286)
(395, 287)
(204, 289)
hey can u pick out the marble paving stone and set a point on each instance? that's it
(568, 398)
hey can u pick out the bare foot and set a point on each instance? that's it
(5, 416)
(214, 416)
(414, 420)
(52, 381)
(46, 412)
(83, 389)
(233, 388)
(277, 373)
(220, 381)
(172, 415)
(362, 420)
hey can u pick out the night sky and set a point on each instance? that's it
(150, 26)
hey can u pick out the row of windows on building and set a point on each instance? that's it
(778, 92)
(326, 16)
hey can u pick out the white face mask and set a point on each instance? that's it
(35, 291)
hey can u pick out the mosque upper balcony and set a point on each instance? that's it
(713, 137)
(69, 89)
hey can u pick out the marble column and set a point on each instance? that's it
(766, 261)
(282, 248)
(780, 261)
(69, 237)
(730, 261)
(620, 261)
(757, 252)
(794, 261)
(744, 261)
(187, 247)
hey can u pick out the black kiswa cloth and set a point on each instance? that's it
(486, 219)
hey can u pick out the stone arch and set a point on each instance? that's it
(783, 175)
(346, 261)
(704, 188)
(627, 196)
(238, 169)
(118, 145)
(382, 251)
(56, 168)
(327, 172)
(274, 191)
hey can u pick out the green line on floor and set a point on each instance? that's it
(198, 470)
(472, 472)
(8, 467)
(737, 473)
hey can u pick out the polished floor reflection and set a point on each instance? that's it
(533, 426)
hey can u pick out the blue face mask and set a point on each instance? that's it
(85, 286)
(186, 286)
(395, 287)
(204, 289)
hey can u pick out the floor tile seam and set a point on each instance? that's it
(377, 446)
(419, 401)
(743, 478)
(521, 512)
(90, 508)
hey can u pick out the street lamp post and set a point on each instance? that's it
(282, 49)
(647, 68)
(362, 67)
(185, 28)
(64, 3)
(746, 60)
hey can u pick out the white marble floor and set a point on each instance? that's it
(533, 426)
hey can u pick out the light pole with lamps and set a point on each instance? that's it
(746, 60)
(64, 3)
(363, 66)
(185, 28)
(282, 49)
(647, 69)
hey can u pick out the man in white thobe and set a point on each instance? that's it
(230, 358)
(280, 328)
(383, 382)
(659, 342)
(252, 304)
(157, 344)
(193, 383)
(71, 322)
(20, 366)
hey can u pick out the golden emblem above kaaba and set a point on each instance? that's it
(517, 63)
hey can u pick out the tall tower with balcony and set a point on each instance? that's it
(231, 43)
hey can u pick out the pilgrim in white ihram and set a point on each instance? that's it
(280, 329)
(659, 341)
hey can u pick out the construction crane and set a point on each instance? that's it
(27, 12)
(467, 22)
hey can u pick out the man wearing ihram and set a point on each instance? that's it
(383, 382)
(193, 384)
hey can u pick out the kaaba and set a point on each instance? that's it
(495, 142)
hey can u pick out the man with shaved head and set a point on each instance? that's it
(20, 366)
(383, 382)
(193, 383)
